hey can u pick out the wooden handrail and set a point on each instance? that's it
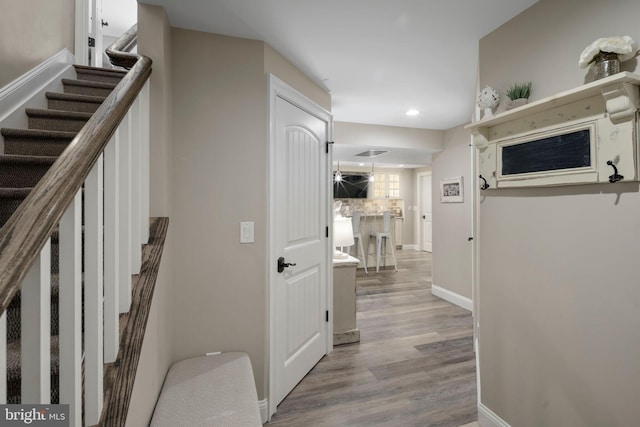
(32, 224)
(118, 51)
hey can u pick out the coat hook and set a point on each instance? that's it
(484, 185)
(616, 176)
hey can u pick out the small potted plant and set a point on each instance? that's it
(519, 94)
(605, 55)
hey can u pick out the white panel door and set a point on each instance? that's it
(426, 213)
(301, 186)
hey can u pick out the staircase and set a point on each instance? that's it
(79, 255)
(28, 154)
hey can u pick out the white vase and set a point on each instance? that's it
(515, 103)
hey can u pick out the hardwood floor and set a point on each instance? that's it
(414, 365)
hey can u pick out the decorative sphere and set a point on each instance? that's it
(488, 97)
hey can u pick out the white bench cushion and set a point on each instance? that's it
(217, 390)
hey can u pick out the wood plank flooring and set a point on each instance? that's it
(414, 365)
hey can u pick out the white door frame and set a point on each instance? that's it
(81, 42)
(475, 264)
(475, 243)
(279, 89)
(419, 200)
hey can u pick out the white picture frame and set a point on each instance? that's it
(452, 190)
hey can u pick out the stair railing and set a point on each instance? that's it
(109, 159)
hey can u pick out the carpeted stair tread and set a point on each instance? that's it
(67, 121)
(43, 112)
(20, 171)
(88, 83)
(73, 102)
(14, 193)
(86, 87)
(105, 75)
(36, 133)
(35, 142)
(20, 158)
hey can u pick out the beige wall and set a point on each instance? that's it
(559, 287)
(154, 41)
(283, 69)
(220, 170)
(32, 31)
(452, 221)
(220, 165)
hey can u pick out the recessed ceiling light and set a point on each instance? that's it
(400, 166)
(360, 164)
(412, 112)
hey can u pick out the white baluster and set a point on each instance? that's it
(35, 319)
(3, 358)
(124, 188)
(136, 248)
(111, 247)
(70, 310)
(93, 289)
(144, 146)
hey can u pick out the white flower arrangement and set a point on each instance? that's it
(624, 46)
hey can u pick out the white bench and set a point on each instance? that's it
(216, 390)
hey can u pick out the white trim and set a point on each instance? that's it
(81, 41)
(487, 418)
(279, 89)
(15, 95)
(475, 244)
(263, 405)
(452, 297)
(418, 223)
(412, 247)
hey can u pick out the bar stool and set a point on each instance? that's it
(357, 237)
(381, 242)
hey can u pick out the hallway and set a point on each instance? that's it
(414, 366)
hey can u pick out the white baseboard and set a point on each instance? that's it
(410, 247)
(264, 410)
(487, 418)
(452, 297)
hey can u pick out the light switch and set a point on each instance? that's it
(246, 232)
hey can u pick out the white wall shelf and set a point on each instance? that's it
(606, 109)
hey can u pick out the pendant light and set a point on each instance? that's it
(338, 176)
(371, 176)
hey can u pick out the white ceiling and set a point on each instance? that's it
(377, 58)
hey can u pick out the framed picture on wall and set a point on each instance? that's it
(451, 190)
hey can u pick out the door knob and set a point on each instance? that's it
(282, 265)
